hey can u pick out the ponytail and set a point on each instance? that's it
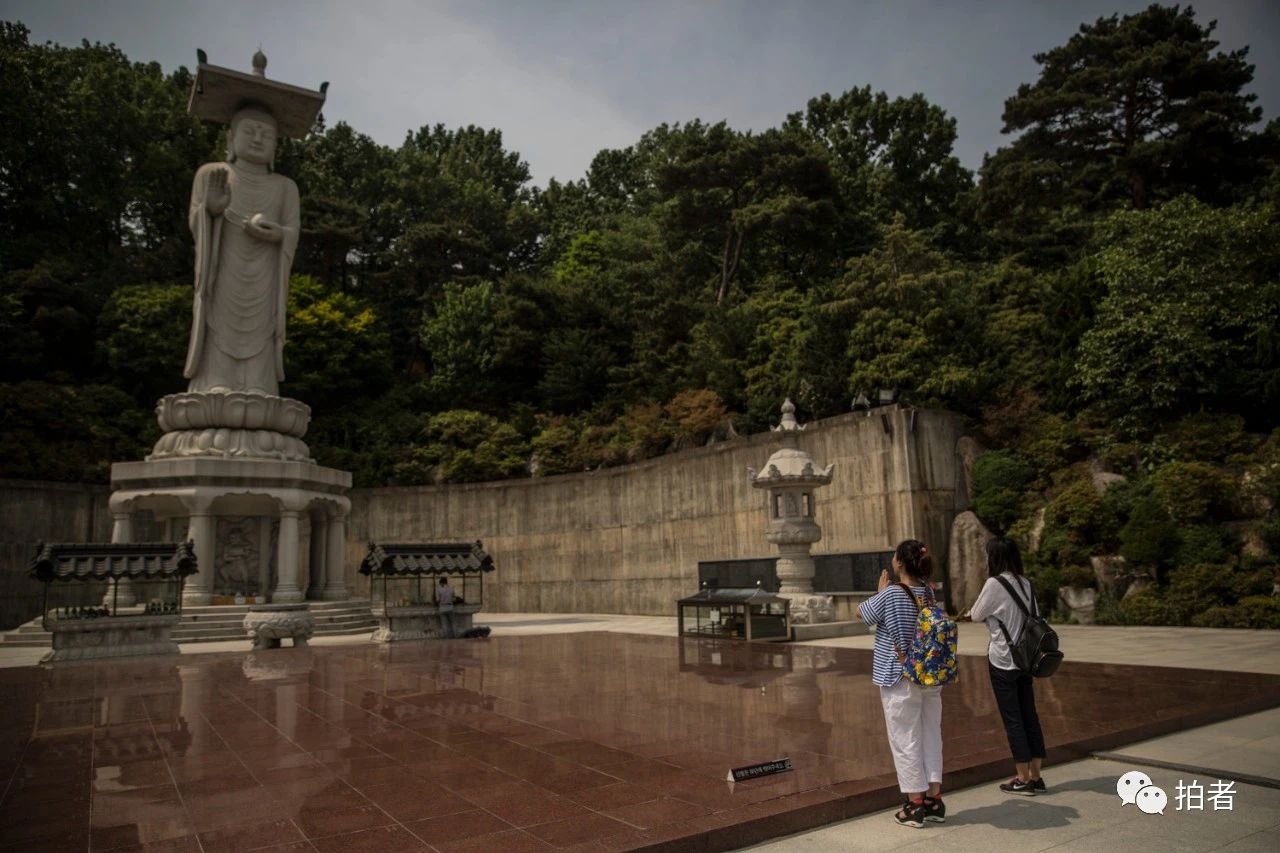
(915, 559)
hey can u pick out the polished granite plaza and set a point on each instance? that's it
(589, 742)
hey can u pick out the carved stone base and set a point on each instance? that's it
(415, 622)
(268, 624)
(809, 609)
(225, 441)
(111, 637)
(422, 622)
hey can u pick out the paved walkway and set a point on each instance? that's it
(1082, 810)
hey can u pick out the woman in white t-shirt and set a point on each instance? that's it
(1014, 689)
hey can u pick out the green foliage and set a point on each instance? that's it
(1200, 544)
(1193, 298)
(696, 415)
(1205, 437)
(1256, 611)
(1195, 589)
(335, 346)
(909, 305)
(463, 447)
(61, 432)
(1144, 607)
(1062, 547)
(142, 338)
(1078, 508)
(1079, 576)
(889, 157)
(554, 449)
(1148, 538)
(999, 480)
(1270, 533)
(1131, 110)
(1190, 491)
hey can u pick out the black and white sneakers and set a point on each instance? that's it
(1017, 786)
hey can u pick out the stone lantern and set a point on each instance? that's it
(791, 476)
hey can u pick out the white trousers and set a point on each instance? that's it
(913, 717)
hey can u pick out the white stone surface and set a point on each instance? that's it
(268, 624)
(1079, 602)
(791, 477)
(203, 489)
(245, 220)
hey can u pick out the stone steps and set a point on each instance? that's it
(211, 624)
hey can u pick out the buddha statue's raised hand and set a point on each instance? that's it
(217, 195)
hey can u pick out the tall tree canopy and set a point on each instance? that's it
(1132, 110)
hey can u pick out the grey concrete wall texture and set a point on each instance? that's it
(628, 539)
(34, 512)
(617, 540)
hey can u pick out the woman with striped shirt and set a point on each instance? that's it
(912, 714)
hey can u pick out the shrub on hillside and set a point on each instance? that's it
(553, 448)
(1191, 491)
(1201, 543)
(1148, 538)
(999, 480)
(696, 414)
(1078, 508)
(1206, 437)
(1256, 611)
(1145, 608)
(462, 446)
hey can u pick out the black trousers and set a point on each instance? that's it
(1016, 698)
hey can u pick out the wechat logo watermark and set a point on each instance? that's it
(1135, 788)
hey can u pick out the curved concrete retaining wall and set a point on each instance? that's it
(628, 539)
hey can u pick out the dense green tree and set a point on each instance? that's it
(1189, 317)
(337, 346)
(912, 321)
(344, 179)
(729, 196)
(888, 156)
(96, 160)
(1132, 110)
(142, 338)
(460, 211)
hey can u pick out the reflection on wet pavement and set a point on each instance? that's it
(597, 741)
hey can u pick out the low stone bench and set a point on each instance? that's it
(268, 624)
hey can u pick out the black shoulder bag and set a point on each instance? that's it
(1036, 650)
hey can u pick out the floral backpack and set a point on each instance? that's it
(931, 659)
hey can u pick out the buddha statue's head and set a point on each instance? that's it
(252, 137)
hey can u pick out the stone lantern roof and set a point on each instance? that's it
(790, 465)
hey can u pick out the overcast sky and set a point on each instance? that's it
(563, 79)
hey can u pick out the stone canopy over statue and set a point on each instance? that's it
(245, 219)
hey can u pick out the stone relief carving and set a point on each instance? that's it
(236, 558)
